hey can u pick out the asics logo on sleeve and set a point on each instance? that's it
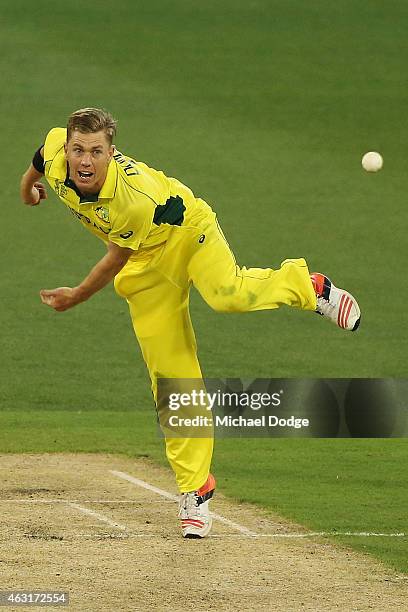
(126, 235)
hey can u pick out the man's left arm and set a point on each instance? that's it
(105, 270)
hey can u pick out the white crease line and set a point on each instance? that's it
(244, 530)
(145, 485)
(167, 495)
(120, 536)
(96, 515)
(74, 503)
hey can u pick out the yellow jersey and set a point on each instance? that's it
(136, 207)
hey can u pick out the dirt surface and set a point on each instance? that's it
(69, 524)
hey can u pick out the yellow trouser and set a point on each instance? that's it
(156, 287)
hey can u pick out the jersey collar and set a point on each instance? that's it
(109, 187)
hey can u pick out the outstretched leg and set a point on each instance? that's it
(226, 287)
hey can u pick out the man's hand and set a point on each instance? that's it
(66, 297)
(31, 190)
(38, 193)
(60, 299)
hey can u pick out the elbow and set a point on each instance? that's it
(118, 255)
(121, 263)
(116, 264)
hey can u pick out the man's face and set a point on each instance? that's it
(88, 157)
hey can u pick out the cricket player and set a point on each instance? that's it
(160, 239)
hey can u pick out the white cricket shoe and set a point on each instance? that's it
(195, 516)
(336, 304)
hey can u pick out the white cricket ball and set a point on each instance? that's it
(372, 161)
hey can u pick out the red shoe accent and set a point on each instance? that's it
(344, 311)
(341, 308)
(318, 283)
(208, 486)
(350, 304)
(193, 522)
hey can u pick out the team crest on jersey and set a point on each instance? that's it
(103, 213)
(60, 188)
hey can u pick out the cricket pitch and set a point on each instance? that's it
(69, 523)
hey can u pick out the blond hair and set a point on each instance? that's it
(90, 120)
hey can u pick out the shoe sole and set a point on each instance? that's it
(199, 536)
(356, 324)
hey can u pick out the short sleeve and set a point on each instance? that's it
(54, 142)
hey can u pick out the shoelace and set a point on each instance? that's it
(324, 306)
(189, 505)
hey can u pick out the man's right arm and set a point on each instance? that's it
(31, 190)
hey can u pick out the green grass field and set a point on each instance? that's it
(264, 110)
